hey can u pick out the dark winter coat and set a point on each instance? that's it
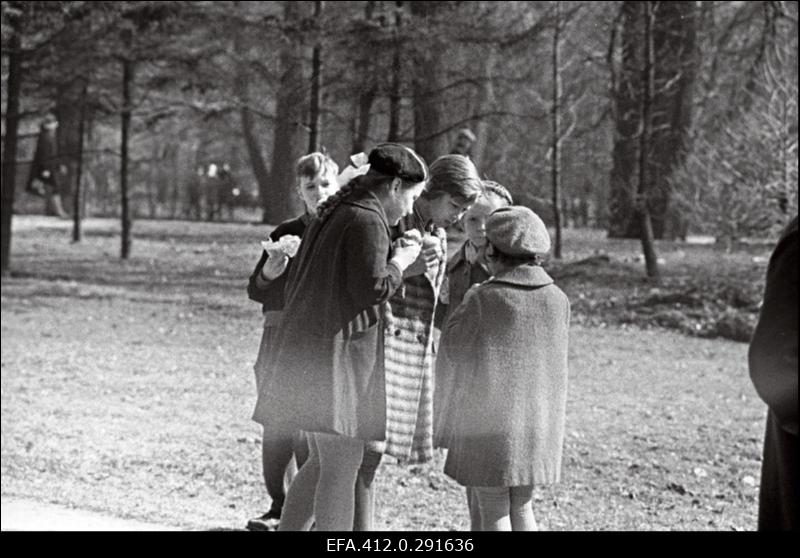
(461, 276)
(773, 370)
(326, 370)
(271, 295)
(505, 348)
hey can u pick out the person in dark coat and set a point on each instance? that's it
(466, 268)
(316, 181)
(45, 172)
(773, 369)
(326, 371)
(505, 348)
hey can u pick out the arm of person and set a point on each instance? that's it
(267, 282)
(772, 354)
(372, 278)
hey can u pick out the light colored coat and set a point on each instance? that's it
(504, 352)
(408, 358)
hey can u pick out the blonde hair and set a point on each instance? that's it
(312, 165)
(455, 175)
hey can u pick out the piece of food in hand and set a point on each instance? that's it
(410, 237)
(288, 245)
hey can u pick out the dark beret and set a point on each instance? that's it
(393, 159)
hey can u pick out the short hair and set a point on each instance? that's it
(498, 190)
(312, 165)
(455, 175)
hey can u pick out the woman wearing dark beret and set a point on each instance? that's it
(326, 371)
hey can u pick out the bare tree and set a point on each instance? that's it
(645, 148)
(9, 172)
(741, 177)
(315, 105)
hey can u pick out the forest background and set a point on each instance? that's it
(649, 120)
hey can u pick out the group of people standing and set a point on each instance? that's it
(352, 367)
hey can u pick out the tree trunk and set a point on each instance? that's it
(486, 102)
(251, 141)
(366, 99)
(395, 96)
(429, 140)
(127, 79)
(68, 112)
(77, 193)
(674, 45)
(315, 106)
(283, 202)
(555, 114)
(643, 206)
(9, 170)
(674, 68)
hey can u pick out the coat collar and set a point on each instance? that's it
(460, 258)
(524, 276)
(369, 201)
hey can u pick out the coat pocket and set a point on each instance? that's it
(358, 358)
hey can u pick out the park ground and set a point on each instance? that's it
(127, 386)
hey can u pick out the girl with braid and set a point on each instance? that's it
(326, 368)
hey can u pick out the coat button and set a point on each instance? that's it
(397, 332)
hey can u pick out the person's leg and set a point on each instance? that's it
(298, 511)
(522, 518)
(495, 507)
(302, 441)
(339, 458)
(474, 510)
(364, 505)
(276, 454)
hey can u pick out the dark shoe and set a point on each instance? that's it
(267, 522)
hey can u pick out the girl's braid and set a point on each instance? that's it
(327, 207)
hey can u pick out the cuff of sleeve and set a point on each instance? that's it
(261, 283)
(394, 270)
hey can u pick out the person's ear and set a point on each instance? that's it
(396, 185)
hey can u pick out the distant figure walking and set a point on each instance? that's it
(43, 179)
(773, 369)
(465, 139)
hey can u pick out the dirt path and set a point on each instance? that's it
(30, 515)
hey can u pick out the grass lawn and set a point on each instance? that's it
(127, 388)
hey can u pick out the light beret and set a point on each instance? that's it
(517, 231)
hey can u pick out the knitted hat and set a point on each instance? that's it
(393, 159)
(517, 231)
